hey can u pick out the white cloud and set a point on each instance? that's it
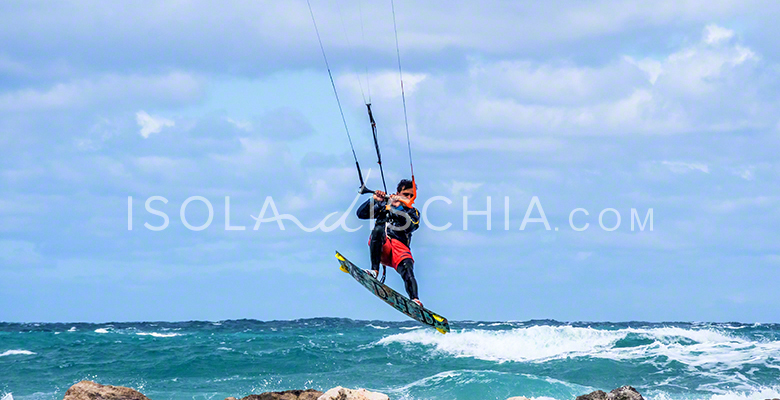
(106, 90)
(431, 26)
(698, 87)
(640, 111)
(745, 172)
(652, 68)
(715, 34)
(547, 84)
(702, 68)
(458, 187)
(234, 35)
(679, 167)
(243, 125)
(151, 124)
(380, 85)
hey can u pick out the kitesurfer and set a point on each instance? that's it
(392, 234)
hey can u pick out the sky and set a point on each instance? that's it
(138, 139)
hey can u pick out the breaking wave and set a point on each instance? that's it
(16, 353)
(693, 347)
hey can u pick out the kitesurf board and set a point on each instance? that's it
(395, 299)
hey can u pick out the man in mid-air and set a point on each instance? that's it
(392, 234)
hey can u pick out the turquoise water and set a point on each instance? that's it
(478, 360)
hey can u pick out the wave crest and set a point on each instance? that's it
(692, 347)
(16, 353)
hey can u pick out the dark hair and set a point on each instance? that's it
(403, 185)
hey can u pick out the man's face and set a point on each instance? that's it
(408, 193)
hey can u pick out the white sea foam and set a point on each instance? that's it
(479, 377)
(72, 329)
(157, 334)
(16, 353)
(537, 343)
(378, 327)
(7, 396)
(693, 347)
(750, 394)
(101, 330)
(672, 333)
(436, 379)
(710, 350)
(758, 394)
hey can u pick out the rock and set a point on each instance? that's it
(88, 390)
(624, 393)
(597, 395)
(621, 393)
(340, 393)
(308, 394)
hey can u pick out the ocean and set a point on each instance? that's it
(477, 360)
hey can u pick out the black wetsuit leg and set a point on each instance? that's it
(376, 244)
(406, 269)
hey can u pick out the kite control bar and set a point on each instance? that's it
(407, 202)
(364, 190)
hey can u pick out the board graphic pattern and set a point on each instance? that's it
(393, 298)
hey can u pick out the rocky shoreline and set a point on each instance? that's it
(87, 390)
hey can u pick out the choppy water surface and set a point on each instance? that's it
(477, 360)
